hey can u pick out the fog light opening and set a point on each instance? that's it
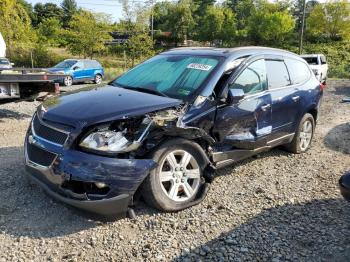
(100, 185)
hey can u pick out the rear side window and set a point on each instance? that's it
(88, 64)
(277, 74)
(299, 72)
(312, 60)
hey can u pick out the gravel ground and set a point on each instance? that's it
(273, 207)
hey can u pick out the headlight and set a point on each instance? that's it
(121, 140)
(107, 141)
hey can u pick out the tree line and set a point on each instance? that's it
(224, 24)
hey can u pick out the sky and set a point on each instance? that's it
(111, 7)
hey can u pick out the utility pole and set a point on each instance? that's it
(152, 20)
(301, 31)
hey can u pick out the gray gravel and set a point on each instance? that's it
(274, 207)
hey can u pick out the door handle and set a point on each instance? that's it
(296, 98)
(265, 107)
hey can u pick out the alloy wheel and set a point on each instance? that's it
(98, 79)
(306, 135)
(179, 175)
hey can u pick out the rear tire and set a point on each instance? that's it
(177, 179)
(98, 79)
(303, 137)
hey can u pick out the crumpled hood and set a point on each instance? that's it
(96, 105)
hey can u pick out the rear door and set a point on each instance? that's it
(246, 124)
(89, 68)
(285, 97)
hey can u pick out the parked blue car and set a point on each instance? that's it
(164, 127)
(79, 70)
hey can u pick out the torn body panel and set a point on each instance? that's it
(245, 125)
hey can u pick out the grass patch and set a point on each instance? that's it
(112, 73)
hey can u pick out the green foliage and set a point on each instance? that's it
(42, 57)
(330, 20)
(88, 34)
(50, 32)
(242, 9)
(200, 7)
(139, 45)
(69, 8)
(112, 73)
(15, 25)
(177, 18)
(46, 11)
(217, 24)
(221, 23)
(269, 24)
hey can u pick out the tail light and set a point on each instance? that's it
(322, 86)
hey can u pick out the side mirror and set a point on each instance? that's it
(75, 67)
(12, 64)
(235, 95)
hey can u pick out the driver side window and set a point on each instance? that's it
(252, 79)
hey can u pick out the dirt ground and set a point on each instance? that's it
(273, 207)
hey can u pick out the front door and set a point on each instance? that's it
(246, 124)
(79, 71)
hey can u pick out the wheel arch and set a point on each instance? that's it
(169, 140)
(313, 111)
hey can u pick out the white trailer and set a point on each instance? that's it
(2, 46)
(24, 82)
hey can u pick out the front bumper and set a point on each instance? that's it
(344, 185)
(123, 177)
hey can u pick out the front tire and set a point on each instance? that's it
(303, 137)
(177, 179)
(68, 81)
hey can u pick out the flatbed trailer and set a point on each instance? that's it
(24, 82)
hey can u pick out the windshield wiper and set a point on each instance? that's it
(142, 89)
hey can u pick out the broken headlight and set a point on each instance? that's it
(122, 137)
(108, 141)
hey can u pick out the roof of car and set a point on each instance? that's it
(228, 52)
(74, 59)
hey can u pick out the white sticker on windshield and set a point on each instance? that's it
(202, 67)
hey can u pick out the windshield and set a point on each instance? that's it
(176, 76)
(4, 62)
(311, 60)
(66, 64)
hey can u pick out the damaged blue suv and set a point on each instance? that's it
(162, 129)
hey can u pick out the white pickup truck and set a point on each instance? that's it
(318, 64)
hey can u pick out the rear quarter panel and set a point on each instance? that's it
(310, 94)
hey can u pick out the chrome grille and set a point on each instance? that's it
(48, 133)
